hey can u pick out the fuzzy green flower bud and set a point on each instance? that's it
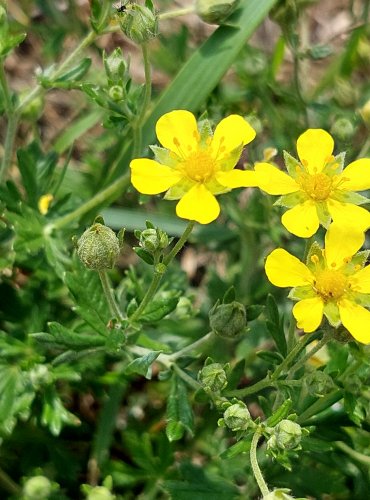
(152, 240)
(213, 377)
(288, 434)
(98, 248)
(116, 93)
(228, 320)
(139, 23)
(237, 417)
(343, 129)
(318, 383)
(278, 494)
(100, 493)
(215, 11)
(37, 488)
(365, 112)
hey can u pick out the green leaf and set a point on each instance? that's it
(64, 337)
(275, 325)
(77, 72)
(54, 415)
(76, 129)
(9, 42)
(179, 414)
(281, 413)
(158, 309)
(242, 446)
(143, 365)
(144, 255)
(254, 311)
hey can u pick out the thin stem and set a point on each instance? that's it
(146, 101)
(8, 484)
(191, 347)
(176, 13)
(255, 467)
(9, 143)
(320, 405)
(181, 242)
(114, 309)
(5, 89)
(113, 190)
(186, 378)
(247, 391)
(326, 338)
(360, 457)
(147, 297)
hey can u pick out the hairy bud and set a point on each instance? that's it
(98, 248)
(279, 494)
(287, 434)
(237, 417)
(213, 377)
(139, 23)
(152, 240)
(343, 129)
(37, 488)
(228, 320)
(318, 383)
(215, 11)
(100, 493)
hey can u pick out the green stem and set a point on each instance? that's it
(146, 101)
(114, 189)
(247, 391)
(114, 309)
(255, 467)
(176, 13)
(186, 378)
(365, 148)
(191, 347)
(5, 89)
(360, 457)
(326, 338)
(320, 405)
(9, 485)
(180, 243)
(9, 143)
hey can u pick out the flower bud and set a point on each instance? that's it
(237, 417)
(152, 240)
(215, 11)
(116, 93)
(98, 248)
(318, 383)
(139, 23)
(287, 434)
(228, 320)
(365, 113)
(37, 488)
(278, 494)
(213, 377)
(100, 493)
(345, 93)
(343, 129)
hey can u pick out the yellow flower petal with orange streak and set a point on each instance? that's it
(360, 281)
(314, 147)
(237, 178)
(274, 181)
(349, 215)
(308, 313)
(283, 269)
(341, 243)
(150, 177)
(302, 220)
(198, 204)
(178, 132)
(356, 176)
(232, 132)
(356, 319)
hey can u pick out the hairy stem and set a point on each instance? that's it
(176, 13)
(255, 467)
(114, 309)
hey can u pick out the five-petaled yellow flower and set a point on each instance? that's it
(334, 283)
(316, 189)
(193, 166)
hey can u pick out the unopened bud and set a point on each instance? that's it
(288, 434)
(278, 494)
(152, 240)
(228, 320)
(237, 417)
(139, 23)
(318, 383)
(37, 488)
(213, 377)
(98, 248)
(100, 493)
(116, 93)
(365, 112)
(343, 129)
(215, 11)
(345, 93)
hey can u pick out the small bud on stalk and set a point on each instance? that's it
(343, 129)
(287, 435)
(139, 23)
(278, 494)
(228, 320)
(237, 417)
(215, 11)
(152, 240)
(37, 488)
(213, 377)
(98, 248)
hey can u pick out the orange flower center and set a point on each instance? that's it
(330, 284)
(317, 186)
(199, 166)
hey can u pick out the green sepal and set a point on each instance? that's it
(205, 129)
(357, 262)
(164, 156)
(315, 250)
(331, 311)
(291, 200)
(178, 190)
(362, 299)
(301, 293)
(350, 197)
(323, 214)
(229, 161)
(281, 413)
(293, 166)
(144, 255)
(335, 167)
(158, 309)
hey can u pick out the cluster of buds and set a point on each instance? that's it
(37, 488)
(152, 242)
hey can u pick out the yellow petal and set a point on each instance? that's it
(283, 269)
(274, 181)
(349, 215)
(150, 177)
(356, 176)
(231, 133)
(341, 243)
(237, 178)
(315, 147)
(308, 313)
(302, 220)
(178, 132)
(198, 204)
(356, 319)
(360, 281)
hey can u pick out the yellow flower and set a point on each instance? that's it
(334, 283)
(193, 166)
(44, 203)
(316, 190)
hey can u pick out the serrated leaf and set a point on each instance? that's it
(179, 413)
(54, 415)
(143, 365)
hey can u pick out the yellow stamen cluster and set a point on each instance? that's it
(198, 166)
(330, 284)
(317, 186)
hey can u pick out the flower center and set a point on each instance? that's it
(199, 166)
(330, 284)
(317, 186)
